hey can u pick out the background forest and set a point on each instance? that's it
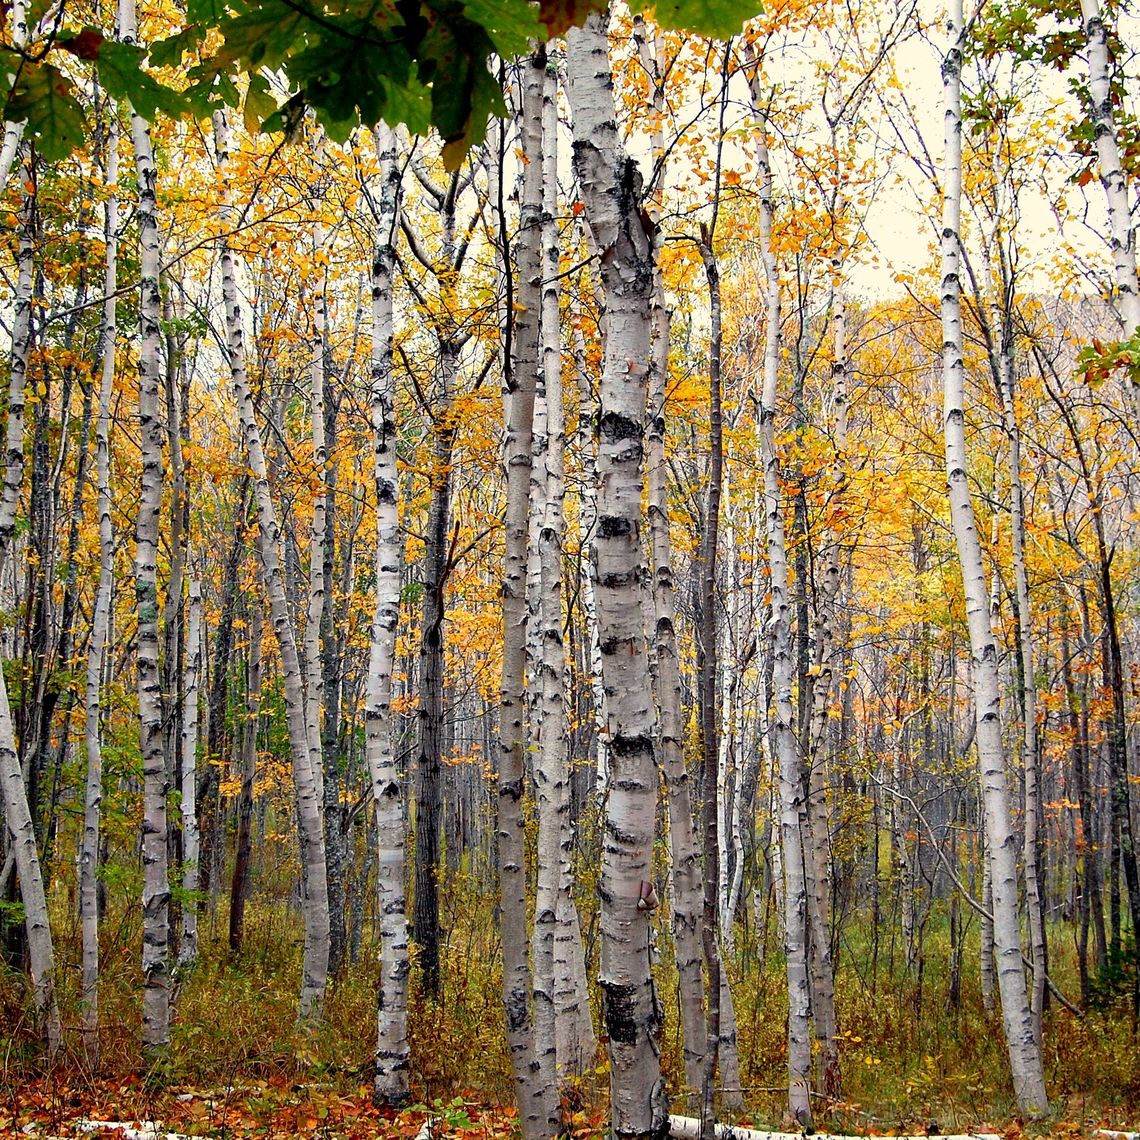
(624, 607)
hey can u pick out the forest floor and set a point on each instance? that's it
(54, 1106)
(240, 1066)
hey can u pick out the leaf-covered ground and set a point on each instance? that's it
(272, 1109)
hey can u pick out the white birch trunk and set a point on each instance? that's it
(314, 687)
(1112, 176)
(610, 186)
(822, 967)
(315, 904)
(156, 882)
(390, 1085)
(1024, 1053)
(17, 379)
(684, 853)
(532, 1050)
(17, 814)
(785, 749)
(101, 616)
(574, 1042)
(192, 672)
(13, 132)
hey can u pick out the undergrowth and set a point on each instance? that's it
(910, 1056)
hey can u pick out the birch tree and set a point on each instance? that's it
(25, 852)
(610, 186)
(101, 611)
(784, 747)
(156, 883)
(390, 1084)
(315, 902)
(1001, 841)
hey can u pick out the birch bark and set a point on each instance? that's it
(610, 187)
(188, 949)
(1112, 177)
(390, 1085)
(531, 1042)
(573, 1029)
(784, 747)
(101, 613)
(156, 883)
(1001, 842)
(13, 132)
(17, 814)
(315, 903)
(18, 373)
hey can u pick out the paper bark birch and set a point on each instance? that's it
(188, 947)
(572, 1028)
(530, 1034)
(1001, 841)
(156, 883)
(390, 1085)
(315, 901)
(101, 613)
(610, 186)
(17, 814)
(18, 371)
(782, 733)
(686, 902)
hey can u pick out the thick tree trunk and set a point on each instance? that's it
(1024, 1052)
(610, 187)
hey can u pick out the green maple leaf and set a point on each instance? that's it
(510, 25)
(45, 99)
(121, 73)
(717, 19)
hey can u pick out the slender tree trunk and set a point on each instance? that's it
(685, 857)
(390, 1085)
(188, 950)
(610, 187)
(41, 955)
(1024, 1053)
(1112, 175)
(100, 617)
(239, 884)
(156, 884)
(326, 773)
(533, 1055)
(314, 968)
(785, 749)
(822, 965)
(574, 1040)
(707, 669)
(17, 376)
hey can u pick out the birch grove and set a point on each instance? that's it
(562, 567)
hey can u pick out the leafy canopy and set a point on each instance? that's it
(424, 63)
